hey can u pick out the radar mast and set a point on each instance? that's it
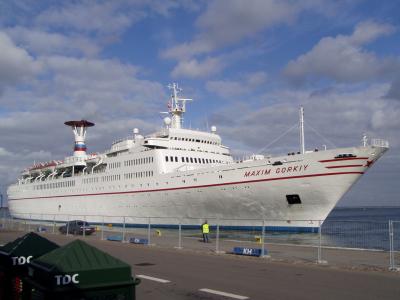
(176, 106)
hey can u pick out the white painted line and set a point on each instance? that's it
(224, 294)
(153, 278)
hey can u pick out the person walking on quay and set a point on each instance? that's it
(205, 228)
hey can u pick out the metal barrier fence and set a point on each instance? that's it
(394, 236)
(347, 243)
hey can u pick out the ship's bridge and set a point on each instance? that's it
(187, 139)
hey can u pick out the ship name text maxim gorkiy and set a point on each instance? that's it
(182, 176)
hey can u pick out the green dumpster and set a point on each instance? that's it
(80, 271)
(14, 259)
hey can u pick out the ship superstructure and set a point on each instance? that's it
(179, 175)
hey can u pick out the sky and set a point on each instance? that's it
(248, 65)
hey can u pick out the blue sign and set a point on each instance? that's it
(248, 251)
(139, 241)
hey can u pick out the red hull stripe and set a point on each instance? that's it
(344, 158)
(344, 166)
(196, 186)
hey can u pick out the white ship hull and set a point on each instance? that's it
(239, 194)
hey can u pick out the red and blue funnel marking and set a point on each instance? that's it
(80, 147)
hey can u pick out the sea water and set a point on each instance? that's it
(362, 227)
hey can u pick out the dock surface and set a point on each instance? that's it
(188, 274)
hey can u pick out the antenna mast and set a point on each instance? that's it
(176, 106)
(301, 127)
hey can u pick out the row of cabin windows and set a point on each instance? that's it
(111, 177)
(193, 140)
(192, 160)
(91, 180)
(54, 185)
(114, 165)
(139, 174)
(138, 161)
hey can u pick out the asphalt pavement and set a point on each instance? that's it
(188, 274)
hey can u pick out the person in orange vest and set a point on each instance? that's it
(205, 228)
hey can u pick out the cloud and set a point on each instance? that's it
(226, 22)
(46, 43)
(226, 89)
(197, 69)
(342, 58)
(15, 63)
(106, 17)
(4, 152)
(233, 89)
(256, 79)
(394, 91)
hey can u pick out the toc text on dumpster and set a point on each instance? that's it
(66, 279)
(21, 260)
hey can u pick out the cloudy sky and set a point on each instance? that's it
(249, 65)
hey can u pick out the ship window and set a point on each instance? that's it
(171, 158)
(187, 159)
(203, 161)
(176, 159)
(191, 159)
(183, 159)
(166, 158)
(195, 160)
(293, 199)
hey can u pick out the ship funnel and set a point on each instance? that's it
(79, 129)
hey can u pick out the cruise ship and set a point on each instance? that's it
(184, 176)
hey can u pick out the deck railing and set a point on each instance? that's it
(380, 143)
